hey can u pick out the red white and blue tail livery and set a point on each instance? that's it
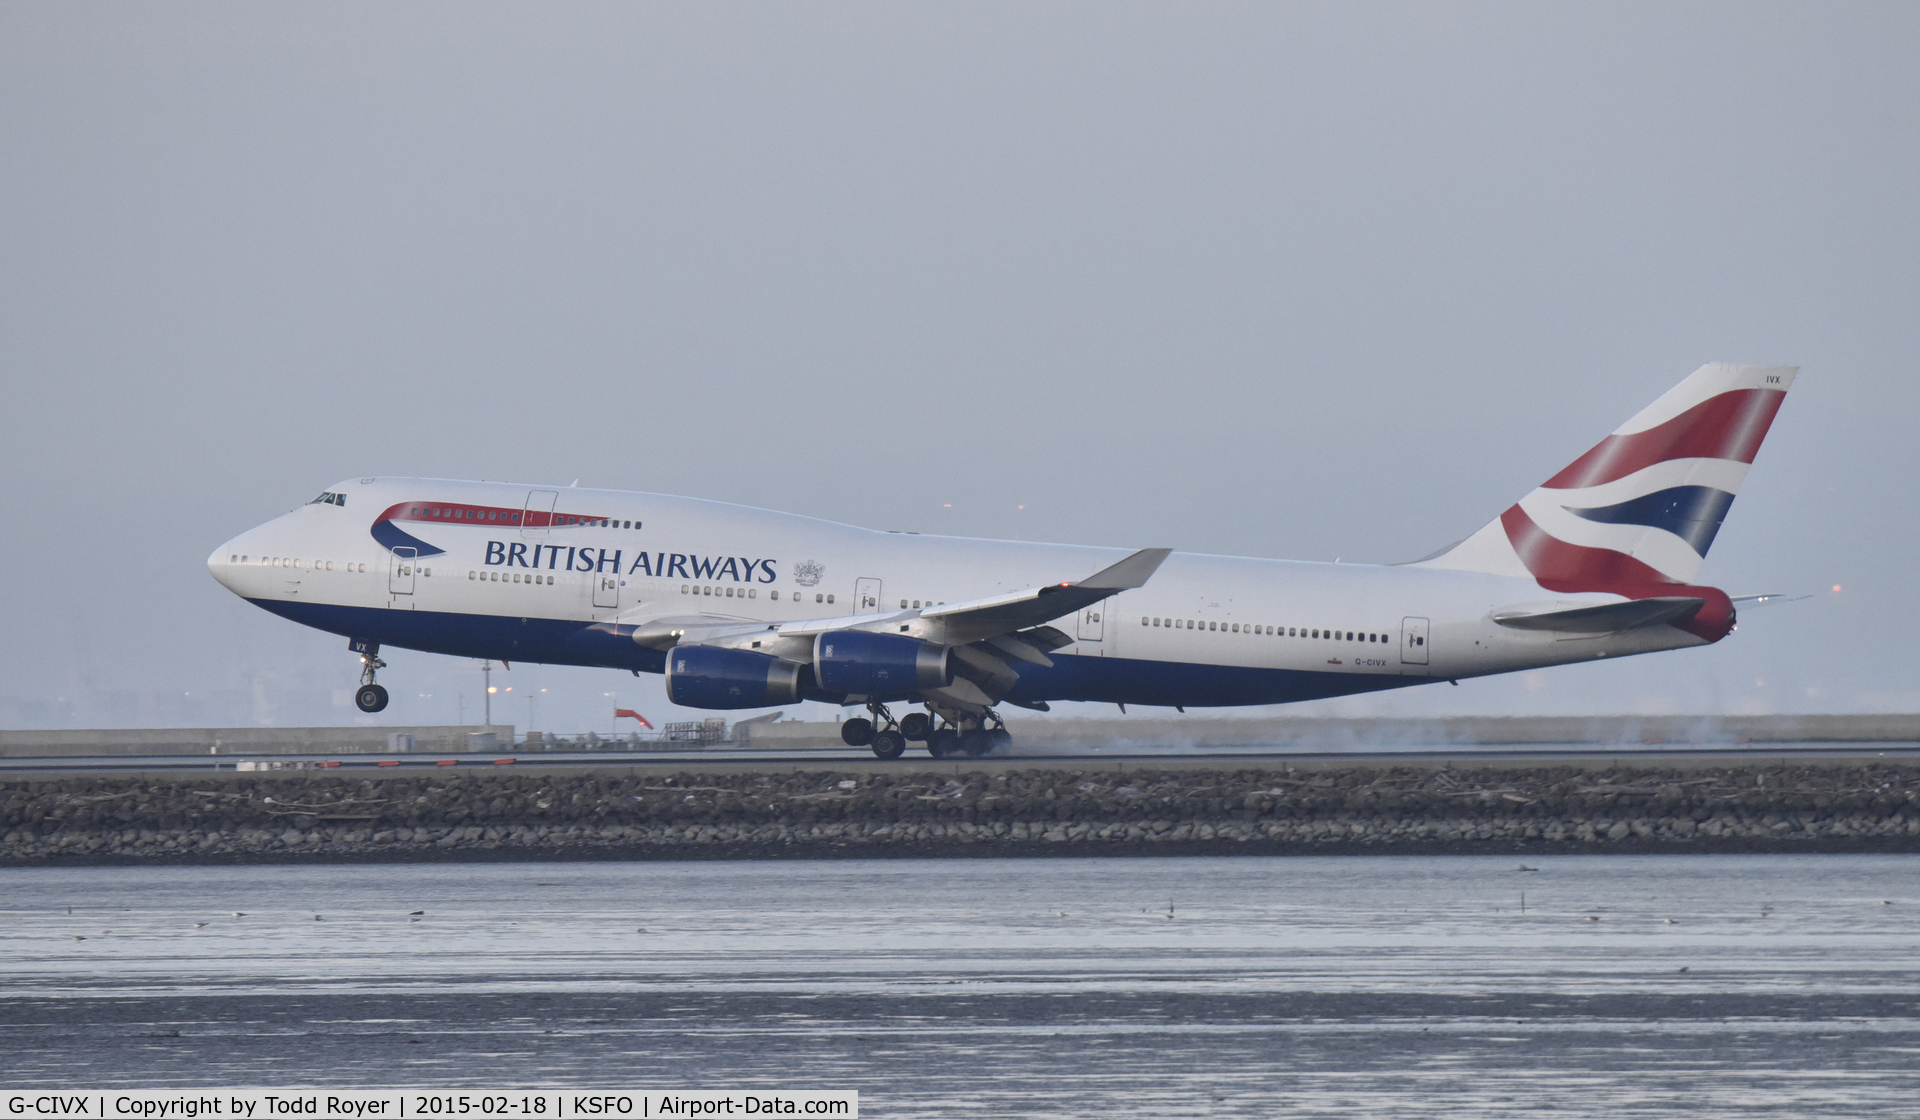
(745, 608)
(1635, 515)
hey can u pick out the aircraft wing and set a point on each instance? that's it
(961, 623)
(1012, 623)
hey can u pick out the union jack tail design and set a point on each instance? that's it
(1636, 515)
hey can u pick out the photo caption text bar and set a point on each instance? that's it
(426, 1104)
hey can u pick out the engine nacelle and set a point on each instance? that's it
(862, 664)
(710, 677)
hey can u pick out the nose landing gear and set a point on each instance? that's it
(370, 697)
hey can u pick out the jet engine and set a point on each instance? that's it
(710, 677)
(858, 663)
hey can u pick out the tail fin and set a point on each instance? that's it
(1643, 506)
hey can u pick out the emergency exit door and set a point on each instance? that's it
(606, 589)
(866, 596)
(1413, 641)
(400, 570)
(537, 517)
(1091, 626)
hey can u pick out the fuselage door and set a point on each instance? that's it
(1091, 626)
(866, 595)
(1413, 641)
(606, 589)
(400, 570)
(538, 515)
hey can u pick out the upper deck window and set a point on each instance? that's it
(329, 498)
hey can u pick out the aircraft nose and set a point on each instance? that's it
(226, 563)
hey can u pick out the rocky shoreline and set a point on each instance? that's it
(998, 810)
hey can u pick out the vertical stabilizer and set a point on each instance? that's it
(1643, 506)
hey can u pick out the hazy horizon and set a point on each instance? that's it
(1311, 281)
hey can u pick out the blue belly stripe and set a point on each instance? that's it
(1107, 680)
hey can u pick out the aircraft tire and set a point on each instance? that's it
(916, 726)
(889, 745)
(976, 742)
(857, 732)
(942, 743)
(1002, 738)
(370, 698)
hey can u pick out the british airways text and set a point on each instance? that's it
(660, 565)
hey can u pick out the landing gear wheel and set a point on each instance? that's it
(942, 743)
(977, 742)
(916, 726)
(889, 745)
(1002, 738)
(371, 698)
(857, 732)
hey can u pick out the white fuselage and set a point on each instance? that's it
(1203, 630)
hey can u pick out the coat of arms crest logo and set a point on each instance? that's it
(807, 573)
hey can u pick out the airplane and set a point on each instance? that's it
(748, 608)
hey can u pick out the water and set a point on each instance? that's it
(1628, 986)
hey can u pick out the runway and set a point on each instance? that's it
(1050, 757)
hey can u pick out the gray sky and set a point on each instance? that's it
(1308, 281)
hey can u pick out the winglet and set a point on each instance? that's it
(1130, 573)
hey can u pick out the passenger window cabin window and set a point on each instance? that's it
(818, 598)
(774, 595)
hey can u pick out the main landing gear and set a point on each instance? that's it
(887, 742)
(370, 697)
(971, 737)
(957, 734)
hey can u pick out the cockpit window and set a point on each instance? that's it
(329, 498)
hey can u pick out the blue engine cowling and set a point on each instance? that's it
(858, 663)
(708, 677)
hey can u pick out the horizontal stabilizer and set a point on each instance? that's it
(1608, 618)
